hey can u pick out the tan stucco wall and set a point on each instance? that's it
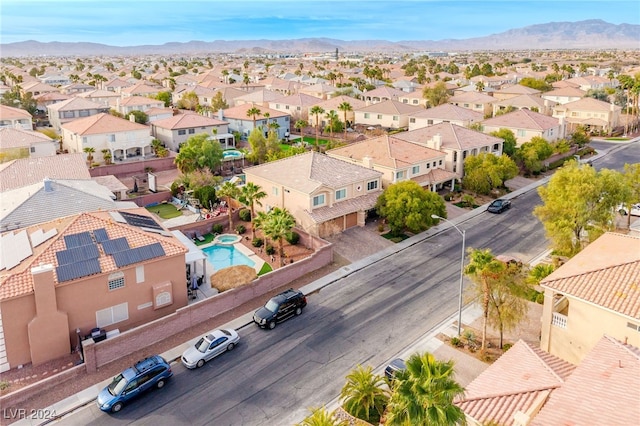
(16, 314)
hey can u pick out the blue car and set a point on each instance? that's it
(149, 373)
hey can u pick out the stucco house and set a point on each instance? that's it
(333, 104)
(389, 114)
(239, 121)
(135, 103)
(324, 194)
(513, 90)
(474, 101)
(592, 114)
(526, 124)
(27, 171)
(15, 117)
(530, 102)
(382, 94)
(456, 141)
(71, 109)
(175, 130)
(564, 95)
(101, 96)
(594, 293)
(398, 160)
(126, 139)
(445, 113)
(297, 105)
(19, 143)
(105, 270)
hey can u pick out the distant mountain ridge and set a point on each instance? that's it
(590, 34)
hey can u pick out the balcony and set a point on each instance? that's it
(559, 320)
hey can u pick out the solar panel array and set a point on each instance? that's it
(80, 259)
(140, 221)
(100, 235)
(138, 254)
(77, 254)
(77, 240)
(79, 269)
(114, 246)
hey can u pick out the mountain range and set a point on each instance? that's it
(590, 34)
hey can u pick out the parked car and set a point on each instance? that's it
(210, 346)
(499, 205)
(394, 368)
(635, 209)
(279, 308)
(146, 374)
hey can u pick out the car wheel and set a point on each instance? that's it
(160, 384)
(116, 407)
(200, 363)
(298, 310)
(230, 346)
(272, 325)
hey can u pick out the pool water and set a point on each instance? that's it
(227, 239)
(231, 154)
(225, 256)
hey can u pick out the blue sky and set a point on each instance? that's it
(136, 22)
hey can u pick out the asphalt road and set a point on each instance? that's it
(272, 377)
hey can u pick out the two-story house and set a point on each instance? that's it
(526, 124)
(513, 90)
(445, 113)
(324, 194)
(175, 130)
(240, 121)
(296, 105)
(19, 143)
(590, 113)
(135, 103)
(100, 96)
(531, 102)
(105, 270)
(474, 101)
(15, 117)
(388, 114)
(594, 293)
(381, 94)
(333, 104)
(125, 139)
(398, 160)
(71, 109)
(564, 95)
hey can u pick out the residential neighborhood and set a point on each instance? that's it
(145, 197)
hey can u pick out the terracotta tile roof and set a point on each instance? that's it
(19, 138)
(140, 88)
(98, 93)
(259, 96)
(603, 390)
(139, 100)
(309, 171)
(523, 119)
(240, 112)
(51, 96)
(187, 121)
(341, 208)
(387, 151)
(300, 99)
(19, 280)
(513, 383)
(102, 123)
(27, 171)
(449, 112)
(435, 176)
(588, 104)
(454, 137)
(472, 98)
(527, 101)
(11, 113)
(385, 92)
(519, 89)
(568, 91)
(75, 104)
(333, 103)
(390, 107)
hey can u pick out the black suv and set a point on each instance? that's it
(279, 308)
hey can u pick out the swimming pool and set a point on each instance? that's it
(224, 256)
(232, 154)
(226, 239)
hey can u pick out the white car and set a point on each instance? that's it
(209, 347)
(635, 209)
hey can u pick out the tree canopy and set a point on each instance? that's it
(532, 154)
(408, 206)
(197, 153)
(510, 142)
(485, 171)
(436, 95)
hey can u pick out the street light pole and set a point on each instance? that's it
(463, 233)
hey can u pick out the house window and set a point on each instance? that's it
(395, 118)
(464, 154)
(84, 140)
(496, 146)
(341, 193)
(366, 115)
(274, 190)
(286, 119)
(434, 164)
(415, 102)
(633, 326)
(429, 122)
(192, 131)
(112, 138)
(32, 149)
(400, 175)
(455, 156)
(478, 106)
(140, 274)
(428, 165)
(371, 185)
(84, 113)
(415, 170)
(68, 114)
(412, 120)
(440, 163)
(521, 132)
(116, 281)
(405, 101)
(182, 132)
(318, 200)
(379, 116)
(466, 105)
(112, 315)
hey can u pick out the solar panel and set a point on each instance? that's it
(116, 245)
(138, 254)
(100, 234)
(77, 270)
(140, 221)
(77, 254)
(76, 240)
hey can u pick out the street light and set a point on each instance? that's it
(462, 232)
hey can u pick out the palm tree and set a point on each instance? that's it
(322, 417)
(259, 222)
(363, 395)
(89, 150)
(106, 155)
(345, 107)
(229, 190)
(279, 223)
(253, 112)
(317, 110)
(423, 394)
(251, 194)
(266, 116)
(332, 117)
(300, 125)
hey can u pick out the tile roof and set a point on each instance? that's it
(519, 89)
(75, 104)
(27, 171)
(523, 119)
(449, 112)
(472, 97)
(341, 208)
(240, 112)
(259, 96)
(187, 121)
(299, 99)
(603, 390)
(527, 101)
(309, 171)
(568, 91)
(588, 104)
(102, 123)
(11, 113)
(386, 92)
(454, 137)
(139, 100)
(435, 176)
(391, 107)
(11, 137)
(387, 151)
(19, 280)
(333, 103)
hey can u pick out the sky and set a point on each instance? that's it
(138, 22)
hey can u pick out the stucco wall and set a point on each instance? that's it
(135, 167)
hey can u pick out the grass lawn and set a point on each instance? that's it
(396, 238)
(312, 140)
(208, 238)
(464, 205)
(165, 211)
(265, 269)
(616, 139)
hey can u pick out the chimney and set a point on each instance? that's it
(47, 185)
(220, 114)
(132, 118)
(437, 142)
(44, 290)
(367, 162)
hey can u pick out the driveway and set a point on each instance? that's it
(359, 242)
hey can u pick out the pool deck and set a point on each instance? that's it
(258, 262)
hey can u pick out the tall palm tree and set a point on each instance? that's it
(229, 191)
(423, 394)
(363, 395)
(251, 194)
(317, 111)
(279, 223)
(300, 125)
(253, 112)
(259, 222)
(89, 150)
(106, 155)
(322, 417)
(266, 116)
(345, 107)
(332, 117)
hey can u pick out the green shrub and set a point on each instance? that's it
(381, 227)
(540, 298)
(257, 242)
(269, 249)
(4, 385)
(455, 341)
(245, 215)
(292, 237)
(217, 228)
(506, 347)
(448, 197)
(241, 229)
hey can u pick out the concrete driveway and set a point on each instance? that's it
(359, 242)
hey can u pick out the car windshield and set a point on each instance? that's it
(497, 203)
(272, 306)
(226, 332)
(202, 345)
(119, 382)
